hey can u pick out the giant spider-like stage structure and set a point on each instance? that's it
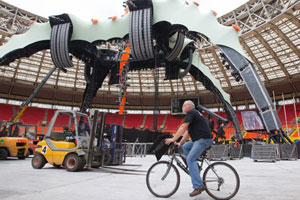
(152, 34)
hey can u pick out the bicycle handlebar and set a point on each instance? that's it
(173, 147)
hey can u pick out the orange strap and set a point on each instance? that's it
(196, 3)
(113, 18)
(126, 11)
(94, 21)
(124, 59)
(236, 27)
(214, 12)
(122, 104)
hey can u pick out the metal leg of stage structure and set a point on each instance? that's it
(245, 70)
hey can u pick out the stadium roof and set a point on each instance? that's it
(270, 35)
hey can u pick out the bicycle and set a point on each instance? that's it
(221, 179)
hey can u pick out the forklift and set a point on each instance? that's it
(71, 142)
(11, 145)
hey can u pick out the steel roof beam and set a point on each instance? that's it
(14, 77)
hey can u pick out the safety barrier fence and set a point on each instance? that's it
(257, 152)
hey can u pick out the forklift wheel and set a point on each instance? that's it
(38, 161)
(73, 163)
(83, 162)
(3, 154)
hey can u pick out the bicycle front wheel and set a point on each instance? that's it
(163, 179)
(221, 181)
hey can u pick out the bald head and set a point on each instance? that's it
(187, 105)
(189, 102)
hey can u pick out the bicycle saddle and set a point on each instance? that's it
(205, 151)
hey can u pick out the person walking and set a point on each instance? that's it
(196, 126)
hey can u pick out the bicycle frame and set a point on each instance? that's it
(184, 167)
(174, 156)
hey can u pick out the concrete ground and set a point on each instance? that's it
(19, 181)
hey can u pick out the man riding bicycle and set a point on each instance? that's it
(196, 126)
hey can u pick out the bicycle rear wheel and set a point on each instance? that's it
(163, 179)
(221, 180)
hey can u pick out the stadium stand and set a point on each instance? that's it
(133, 120)
(33, 115)
(6, 112)
(166, 123)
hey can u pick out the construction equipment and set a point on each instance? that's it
(70, 142)
(63, 146)
(12, 146)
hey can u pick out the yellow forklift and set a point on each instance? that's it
(70, 142)
(11, 145)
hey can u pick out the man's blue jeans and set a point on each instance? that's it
(193, 150)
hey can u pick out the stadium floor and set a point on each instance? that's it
(19, 181)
